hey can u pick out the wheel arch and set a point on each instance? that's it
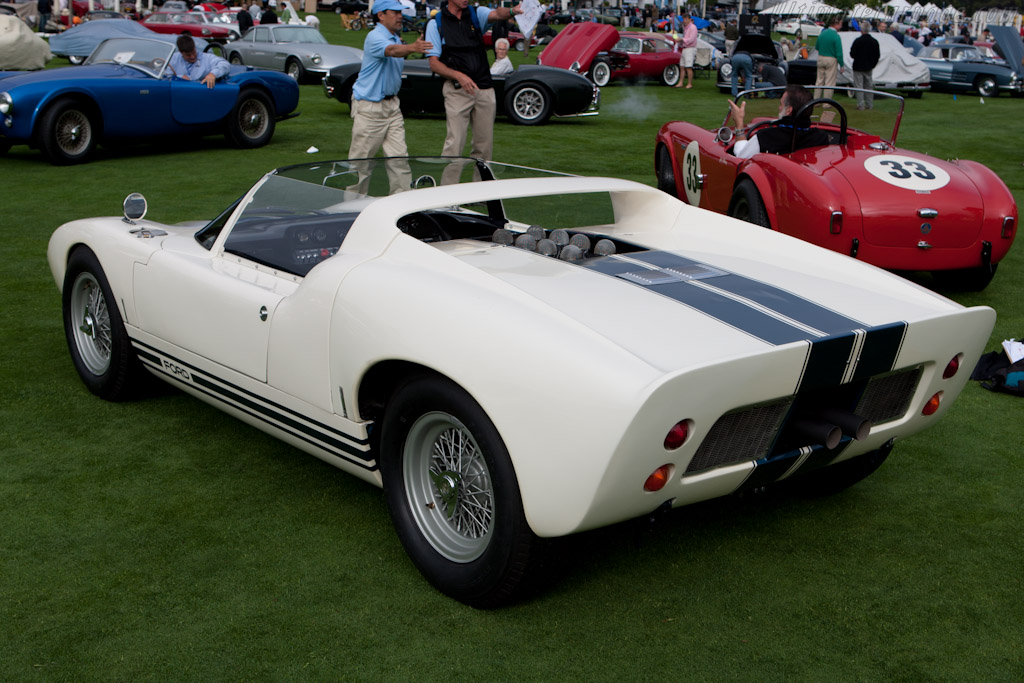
(84, 98)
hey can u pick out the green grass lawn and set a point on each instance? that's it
(163, 540)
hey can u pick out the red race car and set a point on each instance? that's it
(603, 53)
(855, 193)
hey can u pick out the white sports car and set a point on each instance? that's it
(515, 359)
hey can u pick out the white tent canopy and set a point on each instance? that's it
(800, 7)
(865, 12)
(897, 4)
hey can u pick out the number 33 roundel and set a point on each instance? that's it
(907, 172)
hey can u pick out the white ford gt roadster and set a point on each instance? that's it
(517, 356)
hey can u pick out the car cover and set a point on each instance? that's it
(81, 40)
(895, 63)
(20, 48)
(1010, 43)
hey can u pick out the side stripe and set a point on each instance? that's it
(280, 417)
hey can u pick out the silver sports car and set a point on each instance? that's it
(297, 50)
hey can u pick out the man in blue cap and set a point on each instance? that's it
(376, 114)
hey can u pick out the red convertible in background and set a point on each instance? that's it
(603, 53)
(175, 23)
(859, 195)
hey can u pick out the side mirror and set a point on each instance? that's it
(134, 207)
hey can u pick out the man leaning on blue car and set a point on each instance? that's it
(197, 66)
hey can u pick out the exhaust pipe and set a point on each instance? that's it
(854, 426)
(818, 432)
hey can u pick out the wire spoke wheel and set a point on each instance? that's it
(73, 132)
(253, 118)
(92, 331)
(449, 486)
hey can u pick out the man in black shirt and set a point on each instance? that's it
(459, 56)
(865, 55)
(779, 138)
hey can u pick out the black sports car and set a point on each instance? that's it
(529, 96)
(762, 49)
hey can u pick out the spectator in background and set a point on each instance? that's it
(255, 11)
(830, 59)
(742, 62)
(244, 20)
(269, 16)
(865, 54)
(45, 9)
(689, 51)
(502, 64)
(732, 34)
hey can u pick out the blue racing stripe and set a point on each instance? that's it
(881, 348)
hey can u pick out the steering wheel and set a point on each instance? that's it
(157, 63)
(807, 108)
(423, 227)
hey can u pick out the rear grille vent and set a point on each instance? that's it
(742, 435)
(887, 397)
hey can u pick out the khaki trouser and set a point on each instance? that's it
(377, 124)
(828, 72)
(464, 110)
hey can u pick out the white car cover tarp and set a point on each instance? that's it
(20, 48)
(895, 65)
(81, 40)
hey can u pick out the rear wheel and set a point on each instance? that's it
(453, 493)
(986, 86)
(666, 174)
(746, 204)
(251, 123)
(600, 73)
(520, 45)
(670, 75)
(236, 59)
(76, 60)
(528, 105)
(99, 345)
(67, 133)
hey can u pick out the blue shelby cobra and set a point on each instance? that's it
(126, 91)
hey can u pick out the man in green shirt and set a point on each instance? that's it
(830, 59)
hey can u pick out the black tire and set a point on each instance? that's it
(5, 146)
(236, 59)
(986, 86)
(831, 479)
(67, 132)
(799, 34)
(746, 204)
(665, 172)
(99, 345)
(670, 75)
(965, 279)
(484, 559)
(251, 123)
(916, 94)
(295, 70)
(520, 45)
(528, 104)
(600, 72)
(76, 60)
(356, 24)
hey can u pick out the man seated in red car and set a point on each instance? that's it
(778, 137)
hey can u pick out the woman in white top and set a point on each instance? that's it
(502, 64)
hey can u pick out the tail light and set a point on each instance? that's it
(933, 404)
(1008, 225)
(658, 478)
(952, 367)
(835, 223)
(677, 436)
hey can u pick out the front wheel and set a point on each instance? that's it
(251, 123)
(528, 105)
(356, 24)
(99, 345)
(76, 60)
(746, 204)
(520, 45)
(601, 73)
(453, 494)
(67, 133)
(236, 59)
(295, 70)
(670, 75)
(986, 86)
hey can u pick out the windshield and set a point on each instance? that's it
(150, 56)
(300, 215)
(882, 121)
(299, 34)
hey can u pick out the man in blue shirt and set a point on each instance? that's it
(376, 114)
(202, 67)
(458, 55)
